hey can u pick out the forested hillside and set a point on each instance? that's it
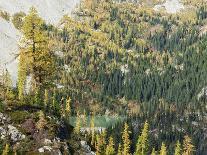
(118, 59)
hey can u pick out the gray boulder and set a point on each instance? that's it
(14, 134)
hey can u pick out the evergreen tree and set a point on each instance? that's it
(188, 147)
(110, 147)
(178, 149)
(142, 143)
(163, 150)
(126, 140)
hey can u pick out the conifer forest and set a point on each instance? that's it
(113, 77)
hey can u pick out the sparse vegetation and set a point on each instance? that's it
(113, 59)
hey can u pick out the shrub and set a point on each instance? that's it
(19, 116)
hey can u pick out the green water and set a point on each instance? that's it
(100, 121)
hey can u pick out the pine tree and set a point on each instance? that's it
(178, 149)
(22, 73)
(163, 150)
(126, 140)
(188, 147)
(6, 150)
(142, 143)
(40, 58)
(153, 152)
(110, 147)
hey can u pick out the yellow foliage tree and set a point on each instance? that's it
(68, 107)
(163, 150)
(188, 147)
(6, 150)
(42, 121)
(142, 143)
(126, 140)
(110, 147)
(78, 124)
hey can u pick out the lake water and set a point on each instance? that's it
(100, 121)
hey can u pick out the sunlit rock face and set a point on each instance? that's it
(171, 6)
(9, 38)
(50, 10)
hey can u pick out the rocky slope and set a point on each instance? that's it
(28, 130)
